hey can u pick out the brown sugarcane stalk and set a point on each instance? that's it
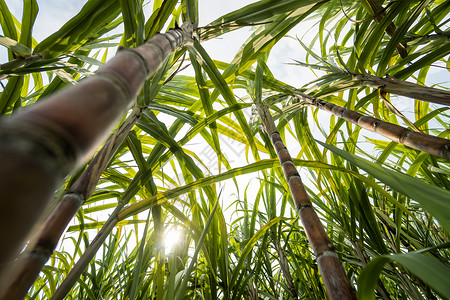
(33, 259)
(93, 247)
(87, 256)
(333, 275)
(42, 144)
(405, 88)
(90, 251)
(417, 140)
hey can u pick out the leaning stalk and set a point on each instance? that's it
(36, 255)
(416, 140)
(336, 282)
(89, 254)
(51, 138)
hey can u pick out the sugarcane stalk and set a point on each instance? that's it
(31, 262)
(42, 144)
(333, 275)
(404, 88)
(284, 265)
(99, 239)
(87, 256)
(90, 252)
(417, 140)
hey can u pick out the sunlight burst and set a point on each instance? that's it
(171, 239)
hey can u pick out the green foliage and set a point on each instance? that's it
(384, 205)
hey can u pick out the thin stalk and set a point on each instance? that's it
(284, 265)
(405, 88)
(42, 144)
(335, 280)
(87, 256)
(92, 249)
(37, 253)
(90, 252)
(417, 140)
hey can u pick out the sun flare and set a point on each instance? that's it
(171, 239)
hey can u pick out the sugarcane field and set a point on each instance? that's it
(241, 149)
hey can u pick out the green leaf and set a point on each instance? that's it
(249, 246)
(430, 270)
(30, 10)
(15, 46)
(92, 18)
(7, 21)
(431, 197)
(190, 11)
(11, 93)
(187, 273)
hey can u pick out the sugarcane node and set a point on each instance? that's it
(283, 155)
(56, 154)
(149, 51)
(41, 251)
(163, 43)
(279, 146)
(391, 131)
(329, 106)
(302, 205)
(366, 122)
(358, 118)
(405, 135)
(76, 198)
(337, 110)
(114, 81)
(446, 151)
(324, 248)
(174, 37)
(139, 57)
(276, 137)
(289, 168)
(127, 68)
(320, 103)
(326, 254)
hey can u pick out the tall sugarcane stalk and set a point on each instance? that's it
(33, 259)
(44, 143)
(335, 280)
(416, 140)
(404, 88)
